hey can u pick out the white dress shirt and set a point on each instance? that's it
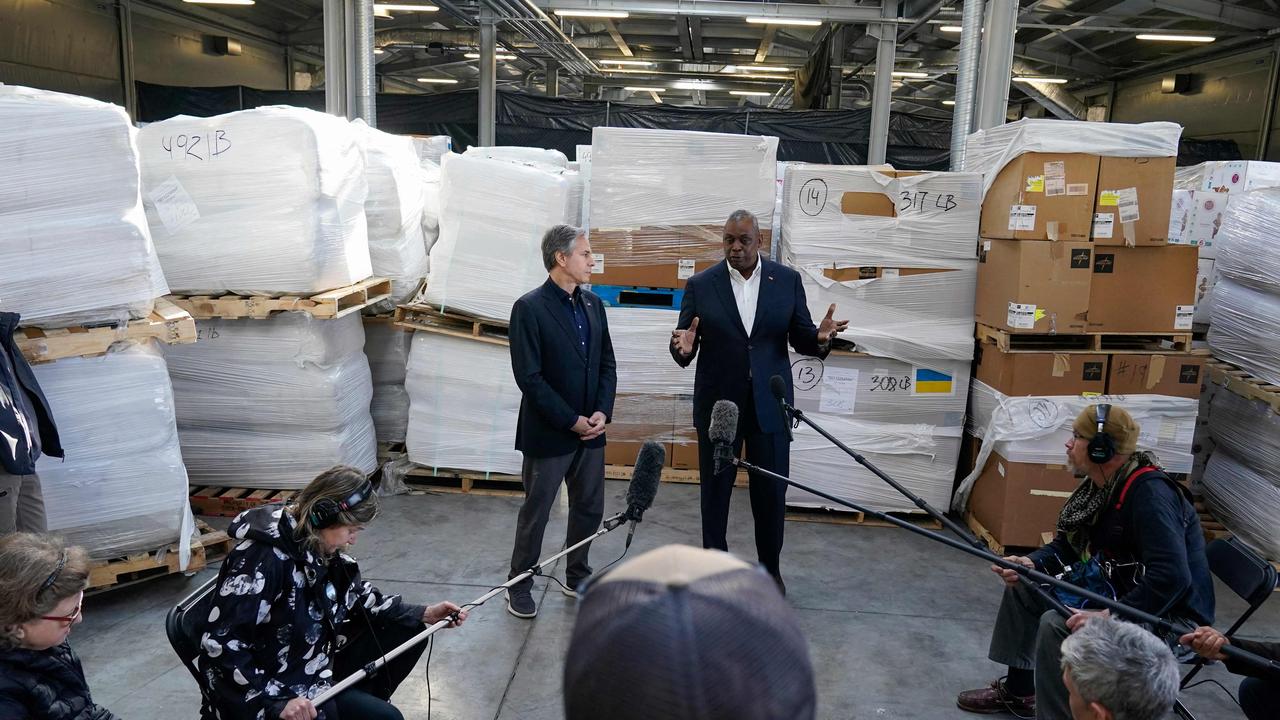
(746, 292)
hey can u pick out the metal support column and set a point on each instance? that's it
(997, 62)
(335, 57)
(488, 75)
(364, 84)
(837, 66)
(124, 21)
(553, 77)
(1269, 106)
(882, 92)
(966, 79)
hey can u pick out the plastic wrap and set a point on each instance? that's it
(394, 211)
(1249, 430)
(1248, 251)
(907, 418)
(493, 214)
(269, 200)
(1245, 329)
(1035, 429)
(1189, 178)
(463, 405)
(520, 155)
(430, 205)
(74, 242)
(1245, 501)
(122, 487)
(272, 403)
(987, 151)
(655, 396)
(431, 148)
(387, 348)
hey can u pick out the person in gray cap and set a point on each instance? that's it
(680, 633)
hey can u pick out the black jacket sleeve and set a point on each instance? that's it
(1154, 518)
(1268, 650)
(687, 313)
(1057, 547)
(526, 364)
(608, 385)
(803, 334)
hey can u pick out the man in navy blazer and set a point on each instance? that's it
(742, 313)
(563, 362)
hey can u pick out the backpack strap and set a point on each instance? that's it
(1133, 477)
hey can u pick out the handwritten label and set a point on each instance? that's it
(886, 382)
(924, 201)
(185, 146)
(813, 196)
(207, 333)
(839, 390)
(173, 204)
(806, 373)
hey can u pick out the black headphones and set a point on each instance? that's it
(325, 511)
(1101, 447)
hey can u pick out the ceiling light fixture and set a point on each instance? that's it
(594, 13)
(439, 81)
(1046, 80)
(766, 68)
(378, 51)
(783, 21)
(750, 93)
(951, 28)
(499, 56)
(909, 74)
(948, 102)
(219, 2)
(401, 7)
(1177, 38)
(638, 88)
(642, 63)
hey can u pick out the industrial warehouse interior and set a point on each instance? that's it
(716, 359)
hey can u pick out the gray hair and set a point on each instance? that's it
(740, 215)
(558, 239)
(1122, 667)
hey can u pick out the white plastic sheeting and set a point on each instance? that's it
(988, 151)
(432, 148)
(1249, 252)
(1245, 329)
(493, 214)
(272, 403)
(1246, 501)
(646, 178)
(387, 348)
(270, 199)
(1035, 429)
(641, 340)
(74, 242)
(907, 419)
(520, 155)
(463, 405)
(394, 210)
(122, 487)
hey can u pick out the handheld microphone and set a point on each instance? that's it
(778, 387)
(723, 431)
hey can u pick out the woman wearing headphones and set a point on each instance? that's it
(291, 616)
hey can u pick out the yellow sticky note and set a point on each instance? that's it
(1109, 198)
(1035, 183)
(1039, 314)
(1090, 394)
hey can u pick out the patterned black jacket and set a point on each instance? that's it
(279, 615)
(45, 685)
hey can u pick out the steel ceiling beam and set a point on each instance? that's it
(1225, 13)
(618, 40)
(766, 44)
(725, 8)
(682, 32)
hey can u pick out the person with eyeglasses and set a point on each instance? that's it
(42, 582)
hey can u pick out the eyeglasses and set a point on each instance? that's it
(69, 619)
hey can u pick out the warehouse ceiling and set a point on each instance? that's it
(704, 52)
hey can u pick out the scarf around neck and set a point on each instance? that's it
(1084, 508)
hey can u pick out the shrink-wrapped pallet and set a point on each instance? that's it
(122, 487)
(272, 403)
(906, 418)
(431, 148)
(1246, 501)
(74, 244)
(394, 211)
(387, 348)
(1249, 251)
(1245, 329)
(493, 214)
(270, 200)
(463, 405)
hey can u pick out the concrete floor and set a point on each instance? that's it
(896, 624)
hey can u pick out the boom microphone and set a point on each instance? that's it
(644, 480)
(778, 387)
(723, 431)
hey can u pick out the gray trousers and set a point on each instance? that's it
(1028, 635)
(583, 472)
(21, 504)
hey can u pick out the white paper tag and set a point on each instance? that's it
(1182, 316)
(1021, 316)
(1056, 169)
(1104, 225)
(599, 266)
(1078, 189)
(1055, 186)
(889, 272)
(1022, 217)
(1128, 202)
(174, 206)
(986, 246)
(685, 269)
(839, 390)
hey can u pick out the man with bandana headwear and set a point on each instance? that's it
(1128, 531)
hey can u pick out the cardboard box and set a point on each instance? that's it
(1018, 502)
(658, 257)
(638, 417)
(1042, 196)
(1041, 373)
(685, 455)
(1170, 374)
(1181, 211)
(1034, 287)
(624, 452)
(1134, 201)
(1143, 290)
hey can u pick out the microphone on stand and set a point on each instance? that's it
(644, 483)
(723, 431)
(778, 387)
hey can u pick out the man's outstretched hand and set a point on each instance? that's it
(828, 328)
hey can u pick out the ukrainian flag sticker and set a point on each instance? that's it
(933, 383)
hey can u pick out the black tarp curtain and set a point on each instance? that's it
(836, 137)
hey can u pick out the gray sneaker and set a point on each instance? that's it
(520, 603)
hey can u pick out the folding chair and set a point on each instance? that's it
(1248, 576)
(183, 625)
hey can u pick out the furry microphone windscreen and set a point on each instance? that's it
(724, 422)
(645, 477)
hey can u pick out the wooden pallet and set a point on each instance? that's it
(211, 546)
(390, 451)
(433, 320)
(229, 502)
(1244, 384)
(669, 474)
(1107, 342)
(842, 517)
(448, 480)
(326, 305)
(985, 536)
(167, 323)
